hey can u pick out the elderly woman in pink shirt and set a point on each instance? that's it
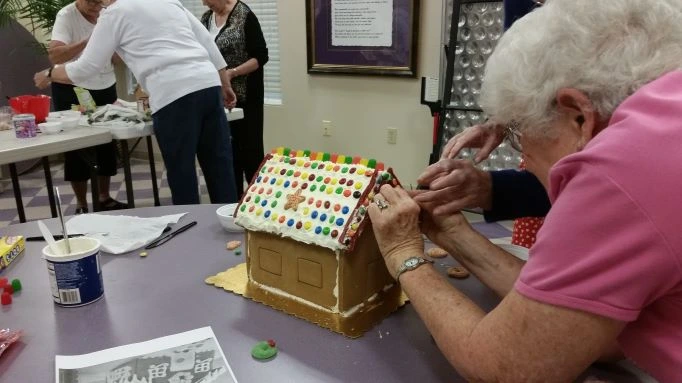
(592, 93)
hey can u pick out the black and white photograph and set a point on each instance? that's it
(178, 358)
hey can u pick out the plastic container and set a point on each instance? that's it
(25, 125)
(50, 127)
(69, 122)
(5, 118)
(76, 277)
(225, 216)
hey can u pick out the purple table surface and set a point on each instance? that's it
(165, 293)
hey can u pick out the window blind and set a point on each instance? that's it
(266, 11)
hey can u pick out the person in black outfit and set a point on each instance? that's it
(240, 39)
(70, 34)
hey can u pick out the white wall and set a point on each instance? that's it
(361, 108)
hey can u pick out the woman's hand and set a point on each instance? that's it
(444, 230)
(41, 80)
(454, 185)
(395, 220)
(229, 98)
(486, 137)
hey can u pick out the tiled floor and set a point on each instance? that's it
(34, 191)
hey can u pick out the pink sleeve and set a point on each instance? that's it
(597, 251)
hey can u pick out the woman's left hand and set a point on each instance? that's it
(395, 220)
(229, 97)
(41, 80)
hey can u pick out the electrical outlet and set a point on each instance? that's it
(326, 128)
(392, 136)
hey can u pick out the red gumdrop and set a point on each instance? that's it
(6, 299)
(8, 289)
(3, 282)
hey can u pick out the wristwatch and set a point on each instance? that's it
(49, 72)
(410, 264)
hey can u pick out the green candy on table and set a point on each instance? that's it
(263, 350)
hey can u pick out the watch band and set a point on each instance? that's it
(410, 264)
(49, 72)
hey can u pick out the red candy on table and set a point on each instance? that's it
(8, 290)
(3, 282)
(271, 343)
(6, 299)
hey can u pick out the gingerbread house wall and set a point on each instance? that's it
(302, 270)
(363, 272)
(310, 272)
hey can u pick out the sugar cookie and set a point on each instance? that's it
(458, 272)
(436, 252)
(233, 245)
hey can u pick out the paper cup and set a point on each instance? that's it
(76, 277)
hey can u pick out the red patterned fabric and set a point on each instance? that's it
(526, 229)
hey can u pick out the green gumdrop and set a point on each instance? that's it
(16, 285)
(262, 350)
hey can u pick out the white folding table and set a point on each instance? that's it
(13, 150)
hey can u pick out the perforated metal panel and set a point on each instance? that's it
(478, 26)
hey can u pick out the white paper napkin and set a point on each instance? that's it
(120, 233)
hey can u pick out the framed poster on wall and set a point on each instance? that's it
(366, 37)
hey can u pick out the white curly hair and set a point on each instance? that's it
(605, 48)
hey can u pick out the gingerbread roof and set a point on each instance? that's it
(312, 197)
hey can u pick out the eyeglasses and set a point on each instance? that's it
(96, 3)
(513, 135)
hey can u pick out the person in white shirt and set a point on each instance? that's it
(70, 33)
(175, 60)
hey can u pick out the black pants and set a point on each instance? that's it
(247, 143)
(75, 168)
(195, 126)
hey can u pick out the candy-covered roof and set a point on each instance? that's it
(312, 197)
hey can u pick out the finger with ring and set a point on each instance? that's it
(381, 204)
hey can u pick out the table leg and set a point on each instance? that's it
(17, 192)
(125, 154)
(50, 188)
(152, 168)
(90, 157)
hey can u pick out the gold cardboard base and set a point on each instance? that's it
(236, 280)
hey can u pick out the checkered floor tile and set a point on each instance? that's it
(35, 200)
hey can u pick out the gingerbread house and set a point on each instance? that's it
(310, 248)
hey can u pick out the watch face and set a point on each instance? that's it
(411, 262)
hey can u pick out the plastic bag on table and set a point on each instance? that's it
(7, 337)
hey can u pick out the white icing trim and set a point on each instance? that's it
(353, 310)
(277, 291)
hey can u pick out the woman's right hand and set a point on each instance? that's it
(454, 185)
(486, 137)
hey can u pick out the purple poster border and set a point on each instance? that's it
(400, 59)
